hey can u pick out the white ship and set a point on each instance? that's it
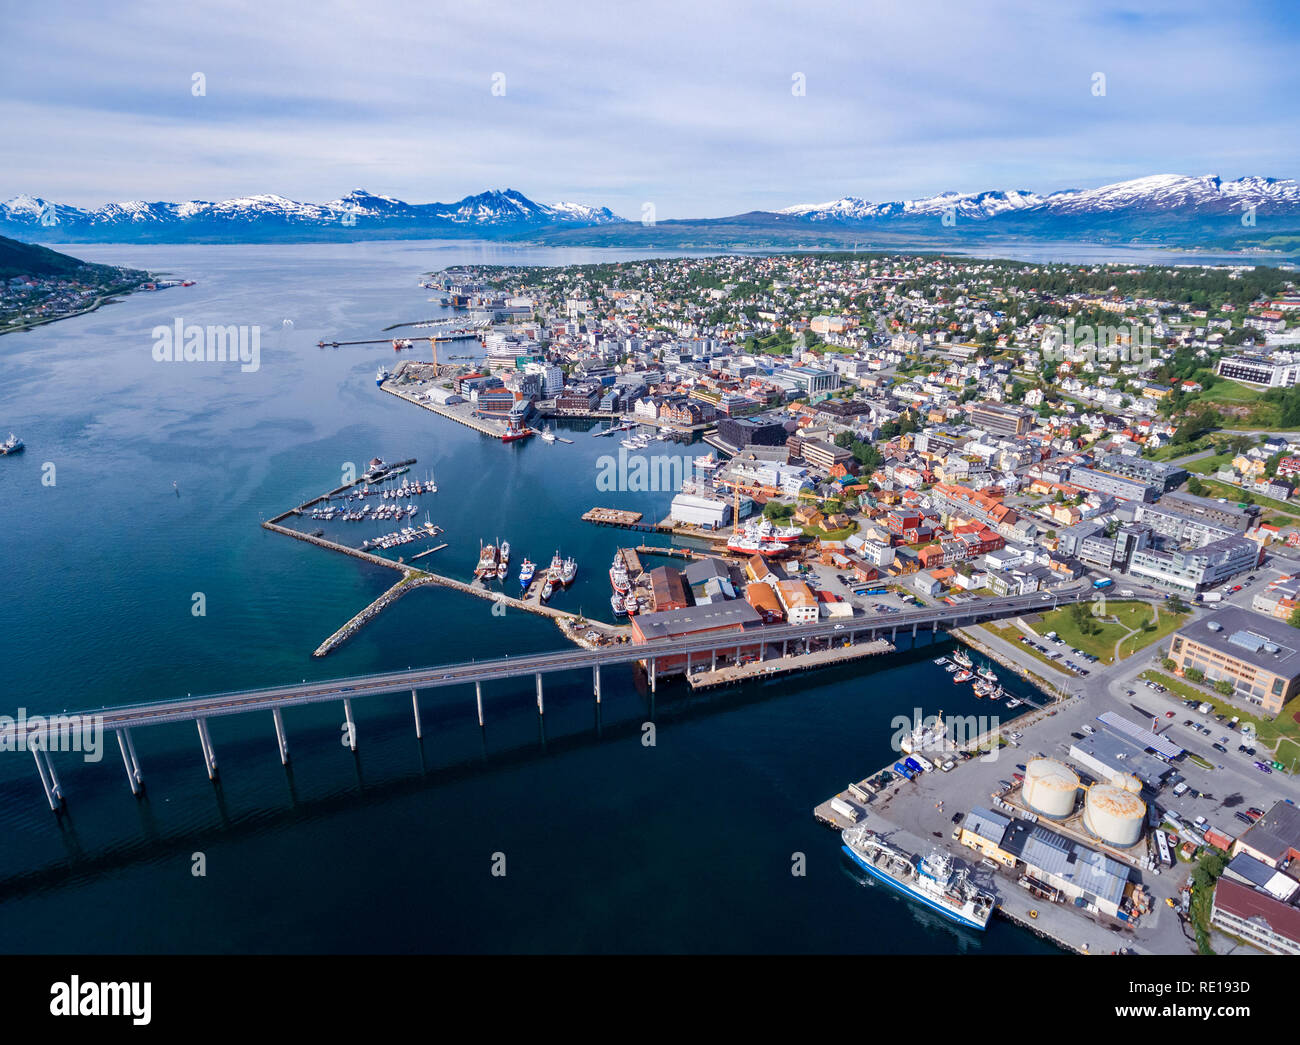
(935, 881)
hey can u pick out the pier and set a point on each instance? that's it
(465, 417)
(762, 669)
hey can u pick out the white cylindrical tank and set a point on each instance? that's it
(1128, 782)
(1049, 788)
(1113, 814)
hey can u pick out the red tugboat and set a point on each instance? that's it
(515, 431)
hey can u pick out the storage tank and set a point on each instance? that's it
(1049, 788)
(1127, 782)
(1114, 815)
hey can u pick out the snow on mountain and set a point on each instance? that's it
(1160, 192)
(494, 208)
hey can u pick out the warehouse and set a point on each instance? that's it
(709, 513)
(1260, 656)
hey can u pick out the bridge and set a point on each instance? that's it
(37, 732)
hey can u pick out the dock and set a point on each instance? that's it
(465, 417)
(672, 553)
(761, 669)
(611, 517)
(429, 552)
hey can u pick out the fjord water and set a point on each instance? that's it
(609, 845)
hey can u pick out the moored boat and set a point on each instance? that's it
(12, 445)
(526, 571)
(962, 676)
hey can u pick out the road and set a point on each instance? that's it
(190, 708)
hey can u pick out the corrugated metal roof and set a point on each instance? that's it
(1086, 869)
(1140, 734)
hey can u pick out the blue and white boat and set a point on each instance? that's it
(526, 572)
(12, 445)
(935, 881)
(381, 375)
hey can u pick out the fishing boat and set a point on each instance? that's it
(14, 445)
(381, 375)
(950, 668)
(526, 571)
(987, 674)
(962, 676)
(548, 588)
(934, 881)
(963, 658)
(556, 570)
(982, 689)
(618, 579)
(487, 561)
(568, 571)
(618, 605)
(505, 553)
(941, 660)
(1014, 702)
(547, 435)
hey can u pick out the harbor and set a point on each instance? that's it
(758, 670)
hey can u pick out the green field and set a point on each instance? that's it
(1120, 618)
(1234, 495)
(1231, 392)
(1209, 465)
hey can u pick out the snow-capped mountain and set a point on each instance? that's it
(1159, 193)
(269, 215)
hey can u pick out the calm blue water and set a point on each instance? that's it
(610, 846)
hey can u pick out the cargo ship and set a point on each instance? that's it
(934, 881)
(12, 445)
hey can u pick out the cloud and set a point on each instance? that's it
(685, 104)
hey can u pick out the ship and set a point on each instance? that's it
(962, 676)
(962, 658)
(526, 571)
(987, 674)
(515, 431)
(487, 561)
(618, 579)
(548, 588)
(762, 537)
(556, 569)
(547, 435)
(929, 735)
(505, 553)
(618, 605)
(935, 881)
(12, 445)
(568, 571)
(381, 375)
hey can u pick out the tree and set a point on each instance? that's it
(1294, 619)
(1195, 487)
(1194, 674)
(1224, 686)
(1168, 664)
(1176, 605)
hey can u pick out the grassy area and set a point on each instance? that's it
(1235, 495)
(1209, 465)
(1120, 618)
(1010, 633)
(1166, 624)
(1270, 732)
(1231, 392)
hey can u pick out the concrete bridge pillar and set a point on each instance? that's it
(595, 680)
(914, 623)
(126, 761)
(652, 674)
(135, 761)
(209, 756)
(55, 786)
(415, 706)
(46, 786)
(352, 726)
(280, 737)
(540, 709)
(478, 699)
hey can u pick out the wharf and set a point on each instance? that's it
(412, 579)
(673, 553)
(464, 416)
(438, 548)
(611, 517)
(762, 669)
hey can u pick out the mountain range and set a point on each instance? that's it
(1161, 209)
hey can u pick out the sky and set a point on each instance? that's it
(693, 106)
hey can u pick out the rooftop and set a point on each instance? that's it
(1248, 637)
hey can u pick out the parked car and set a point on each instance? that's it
(1263, 768)
(1219, 747)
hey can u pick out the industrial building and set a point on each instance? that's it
(1274, 839)
(708, 513)
(1260, 656)
(1108, 756)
